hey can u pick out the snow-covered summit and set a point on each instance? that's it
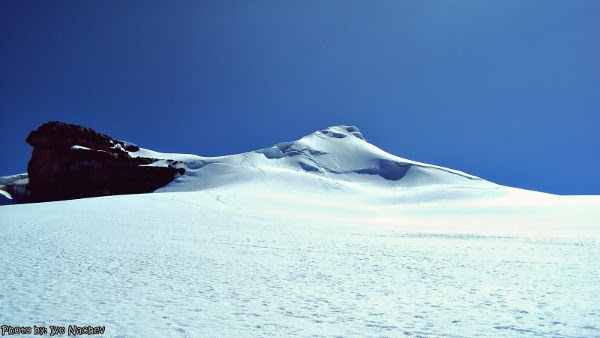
(338, 157)
(344, 150)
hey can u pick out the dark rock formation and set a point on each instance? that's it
(70, 161)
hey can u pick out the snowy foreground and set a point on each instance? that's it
(325, 236)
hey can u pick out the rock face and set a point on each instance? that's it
(70, 161)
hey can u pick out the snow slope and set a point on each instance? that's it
(324, 236)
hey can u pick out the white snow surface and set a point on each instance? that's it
(76, 147)
(325, 236)
(5, 194)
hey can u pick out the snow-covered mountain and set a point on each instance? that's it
(325, 236)
(337, 157)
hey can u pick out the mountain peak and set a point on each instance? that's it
(338, 156)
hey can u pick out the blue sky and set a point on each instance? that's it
(506, 90)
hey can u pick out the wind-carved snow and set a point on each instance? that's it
(324, 236)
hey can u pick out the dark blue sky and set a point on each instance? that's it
(506, 90)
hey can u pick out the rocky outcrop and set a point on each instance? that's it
(71, 161)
